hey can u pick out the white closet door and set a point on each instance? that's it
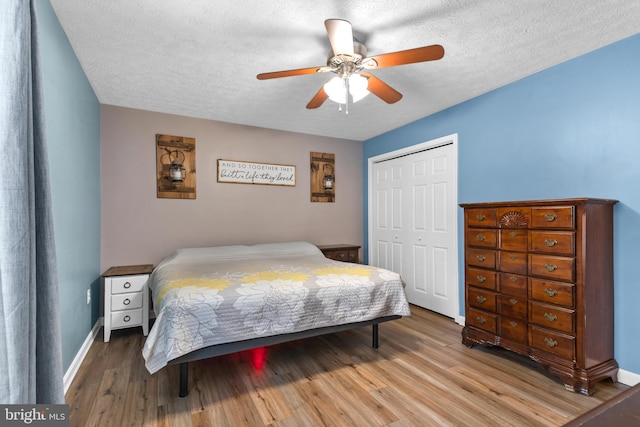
(387, 215)
(414, 225)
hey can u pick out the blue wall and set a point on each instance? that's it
(72, 119)
(572, 130)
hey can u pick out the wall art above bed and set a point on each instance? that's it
(239, 172)
(176, 167)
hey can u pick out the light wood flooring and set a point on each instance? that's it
(421, 375)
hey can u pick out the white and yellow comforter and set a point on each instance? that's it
(209, 296)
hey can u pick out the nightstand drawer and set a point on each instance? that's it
(127, 284)
(126, 301)
(126, 318)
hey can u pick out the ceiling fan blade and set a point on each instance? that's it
(318, 99)
(340, 35)
(410, 56)
(381, 89)
(289, 73)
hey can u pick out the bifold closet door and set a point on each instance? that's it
(414, 225)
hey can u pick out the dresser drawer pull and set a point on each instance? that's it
(550, 342)
(513, 234)
(550, 317)
(513, 279)
(127, 301)
(512, 256)
(480, 217)
(480, 258)
(481, 320)
(551, 267)
(127, 318)
(127, 285)
(481, 299)
(480, 238)
(513, 324)
(550, 242)
(550, 292)
(550, 217)
(481, 279)
(513, 301)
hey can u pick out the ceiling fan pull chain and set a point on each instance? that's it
(346, 94)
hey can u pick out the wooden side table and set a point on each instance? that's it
(126, 298)
(341, 252)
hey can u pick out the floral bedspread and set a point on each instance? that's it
(211, 296)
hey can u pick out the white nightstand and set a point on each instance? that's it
(126, 298)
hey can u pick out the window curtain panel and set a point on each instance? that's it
(30, 339)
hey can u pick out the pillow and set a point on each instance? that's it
(286, 249)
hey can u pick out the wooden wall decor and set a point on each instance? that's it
(323, 168)
(178, 150)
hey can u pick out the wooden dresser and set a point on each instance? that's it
(539, 282)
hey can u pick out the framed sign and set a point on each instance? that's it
(240, 172)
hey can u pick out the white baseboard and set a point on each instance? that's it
(82, 353)
(628, 378)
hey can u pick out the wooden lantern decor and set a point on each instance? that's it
(176, 167)
(323, 177)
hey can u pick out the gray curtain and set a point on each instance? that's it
(30, 339)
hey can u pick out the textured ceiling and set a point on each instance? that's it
(199, 58)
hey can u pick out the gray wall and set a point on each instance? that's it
(138, 227)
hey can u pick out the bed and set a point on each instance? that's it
(219, 300)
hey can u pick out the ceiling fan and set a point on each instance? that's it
(350, 63)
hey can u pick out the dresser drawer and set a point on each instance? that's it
(514, 217)
(552, 292)
(481, 278)
(126, 318)
(481, 217)
(513, 329)
(552, 242)
(483, 320)
(483, 238)
(552, 342)
(552, 317)
(553, 267)
(513, 262)
(126, 301)
(126, 284)
(482, 299)
(511, 306)
(514, 239)
(481, 258)
(513, 284)
(553, 217)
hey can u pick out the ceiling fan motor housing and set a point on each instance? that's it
(359, 52)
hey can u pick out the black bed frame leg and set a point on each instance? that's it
(375, 336)
(184, 379)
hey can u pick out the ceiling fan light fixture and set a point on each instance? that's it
(358, 87)
(336, 88)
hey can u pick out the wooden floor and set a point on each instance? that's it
(420, 376)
